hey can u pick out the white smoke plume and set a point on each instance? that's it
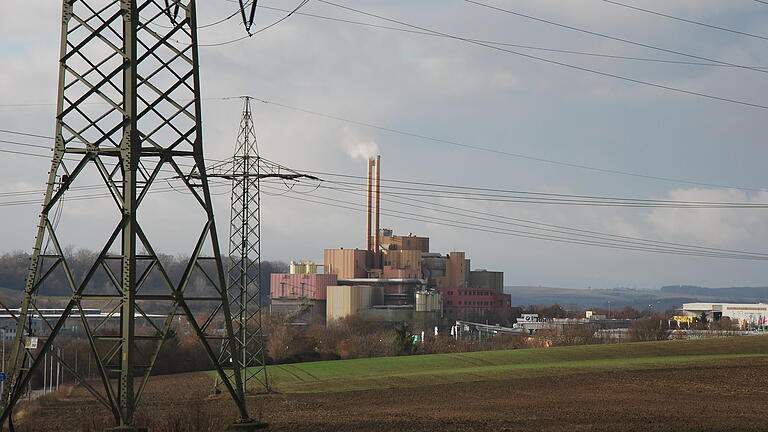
(357, 146)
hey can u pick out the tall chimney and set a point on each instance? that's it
(368, 239)
(376, 234)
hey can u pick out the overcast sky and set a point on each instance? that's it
(448, 89)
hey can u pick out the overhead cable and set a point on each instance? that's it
(267, 27)
(568, 65)
(606, 36)
(559, 199)
(527, 223)
(525, 234)
(699, 23)
(478, 148)
(531, 47)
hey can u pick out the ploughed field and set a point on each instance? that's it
(713, 384)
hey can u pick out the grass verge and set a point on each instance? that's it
(411, 371)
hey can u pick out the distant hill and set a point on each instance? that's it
(752, 294)
(668, 297)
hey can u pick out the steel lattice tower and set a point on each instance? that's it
(128, 111)
(244, 273)
(245, 171)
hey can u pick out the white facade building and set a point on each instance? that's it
(754, 314)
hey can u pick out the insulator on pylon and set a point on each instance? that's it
(248, 20)
(172, 10)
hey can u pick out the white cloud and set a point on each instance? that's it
(721, 227)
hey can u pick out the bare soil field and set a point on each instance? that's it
(720, 395)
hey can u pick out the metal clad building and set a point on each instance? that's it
(346, 263)
(752, 314)
(311, 286)
(484, 279)
(344, 300)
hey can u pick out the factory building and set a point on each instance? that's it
(746, 315)
(395, 278)
(40, 320)
(300, 296)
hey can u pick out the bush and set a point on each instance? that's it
(655, 328)
(577, 334)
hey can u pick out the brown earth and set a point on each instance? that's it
(727, 395)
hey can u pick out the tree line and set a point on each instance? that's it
(15, 265)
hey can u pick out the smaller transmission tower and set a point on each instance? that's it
(244, 272)
(245, 171)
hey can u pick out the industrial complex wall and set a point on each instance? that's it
(311, 286)
(420, 244)
(402, 259)
(484, 279)
(346, 263)
(348, 300)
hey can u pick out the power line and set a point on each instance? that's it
(612, 242)
(518, 196)
(614, 38)
(502, 152)
(204, 26)
(483, 149)
(643, 243)
(20, 153)
(498, 195)
(25, 134)
(640, 245)
(518, 233)
(25, 144)
(83, 197)
(531, 47)
(577, 200)
(46, 104)
(685, 20)
(267, 27)
(568, 65)
(476, 215)
(474, 190)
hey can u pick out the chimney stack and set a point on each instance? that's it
(368, 238)
(377, 214)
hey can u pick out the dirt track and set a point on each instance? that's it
(729, 396)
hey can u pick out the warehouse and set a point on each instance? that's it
(746, 314)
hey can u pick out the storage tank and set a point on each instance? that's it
(294, 269)
(421, 302)
(310, 267)
(429, 301)
(303, 267)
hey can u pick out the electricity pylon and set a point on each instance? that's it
(245, 171)
(128, 110)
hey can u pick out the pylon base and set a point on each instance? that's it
(247, 426)
(126, 429)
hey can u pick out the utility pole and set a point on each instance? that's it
(128, 110)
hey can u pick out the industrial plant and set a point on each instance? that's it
(395, 278)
